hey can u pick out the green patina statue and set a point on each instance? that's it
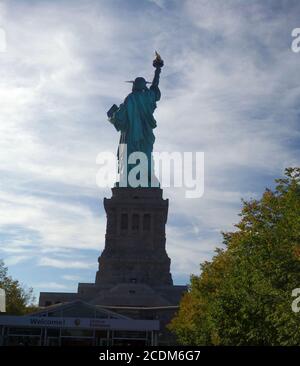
(134, 119)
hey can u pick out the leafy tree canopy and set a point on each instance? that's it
(244, 295)
(19, 300)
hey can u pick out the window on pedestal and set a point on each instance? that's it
(124, 221)
(147, 222)
(135, 222)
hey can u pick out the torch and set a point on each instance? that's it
(158, 62)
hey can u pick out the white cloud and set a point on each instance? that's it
(51, 262)
(16, 259)
(71, 278)
(50, 286)
(58, 224)
(159, 3)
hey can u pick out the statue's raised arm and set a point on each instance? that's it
(158, 64)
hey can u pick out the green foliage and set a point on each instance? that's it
(18, 299)
(243, 296)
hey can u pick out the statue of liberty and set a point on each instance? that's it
(134, 119)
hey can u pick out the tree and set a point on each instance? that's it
(19, 300)
(244, 295)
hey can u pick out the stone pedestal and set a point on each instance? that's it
(135, 250)
(134, 276)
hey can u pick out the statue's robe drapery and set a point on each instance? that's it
(135, 120)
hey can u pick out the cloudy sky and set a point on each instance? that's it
(230, 88)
